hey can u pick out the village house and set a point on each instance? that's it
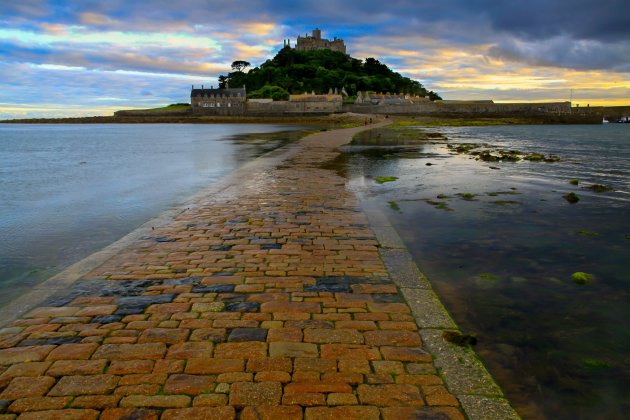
(306, 103)
(229, 101)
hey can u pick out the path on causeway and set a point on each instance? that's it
(266, 300)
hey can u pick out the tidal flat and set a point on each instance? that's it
(541, 282)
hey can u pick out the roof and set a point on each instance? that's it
(212, 92)
(315, 98)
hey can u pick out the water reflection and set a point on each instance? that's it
(501, 249)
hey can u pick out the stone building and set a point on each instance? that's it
(315, 42)
(371, 98)
(306, 103)
(311, 103)
(228, 101)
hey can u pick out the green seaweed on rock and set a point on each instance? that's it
(595, 364)
(598, 188)
(581, 278)
(574, 181)
(571, 197)
(393, 205)
(467, 196)
(439, 205)
(383, 179)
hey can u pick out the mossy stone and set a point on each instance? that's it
(571, 197)
(581, 278)
(383, 179)
(595, 364)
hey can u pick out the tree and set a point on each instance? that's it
(304, 71)
(240, 65)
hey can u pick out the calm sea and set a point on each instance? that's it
(501, 249)
(69, 190)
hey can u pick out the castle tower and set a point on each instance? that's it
(316, 42)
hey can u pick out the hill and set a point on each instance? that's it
(292, 71)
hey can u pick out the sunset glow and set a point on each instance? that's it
(92, 59)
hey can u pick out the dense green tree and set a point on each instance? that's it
(271, 92)
(299, 71)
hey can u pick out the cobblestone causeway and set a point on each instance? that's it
(268, 300)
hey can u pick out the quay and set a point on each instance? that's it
(272, 295)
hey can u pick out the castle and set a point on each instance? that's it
(315, 42)
(231, 101)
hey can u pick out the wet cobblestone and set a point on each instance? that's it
(267, 300)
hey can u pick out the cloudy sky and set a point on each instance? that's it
(91, 57)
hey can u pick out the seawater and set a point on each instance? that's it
(69, 190)
(501, 250)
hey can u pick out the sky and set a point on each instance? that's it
(92, 57)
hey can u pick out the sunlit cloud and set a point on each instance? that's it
(95, 57)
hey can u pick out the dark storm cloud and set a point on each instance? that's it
(569, 23)
(606, 20)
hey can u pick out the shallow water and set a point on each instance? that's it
(69, 190)
(502, 259)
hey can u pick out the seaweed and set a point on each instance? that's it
(595, 364)
(467, 196)
(498, 193)
(581, 278)
(599, 188)
(383, 179)
(393, 205)
(534, 157)
(571, 197)
(439, 205)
